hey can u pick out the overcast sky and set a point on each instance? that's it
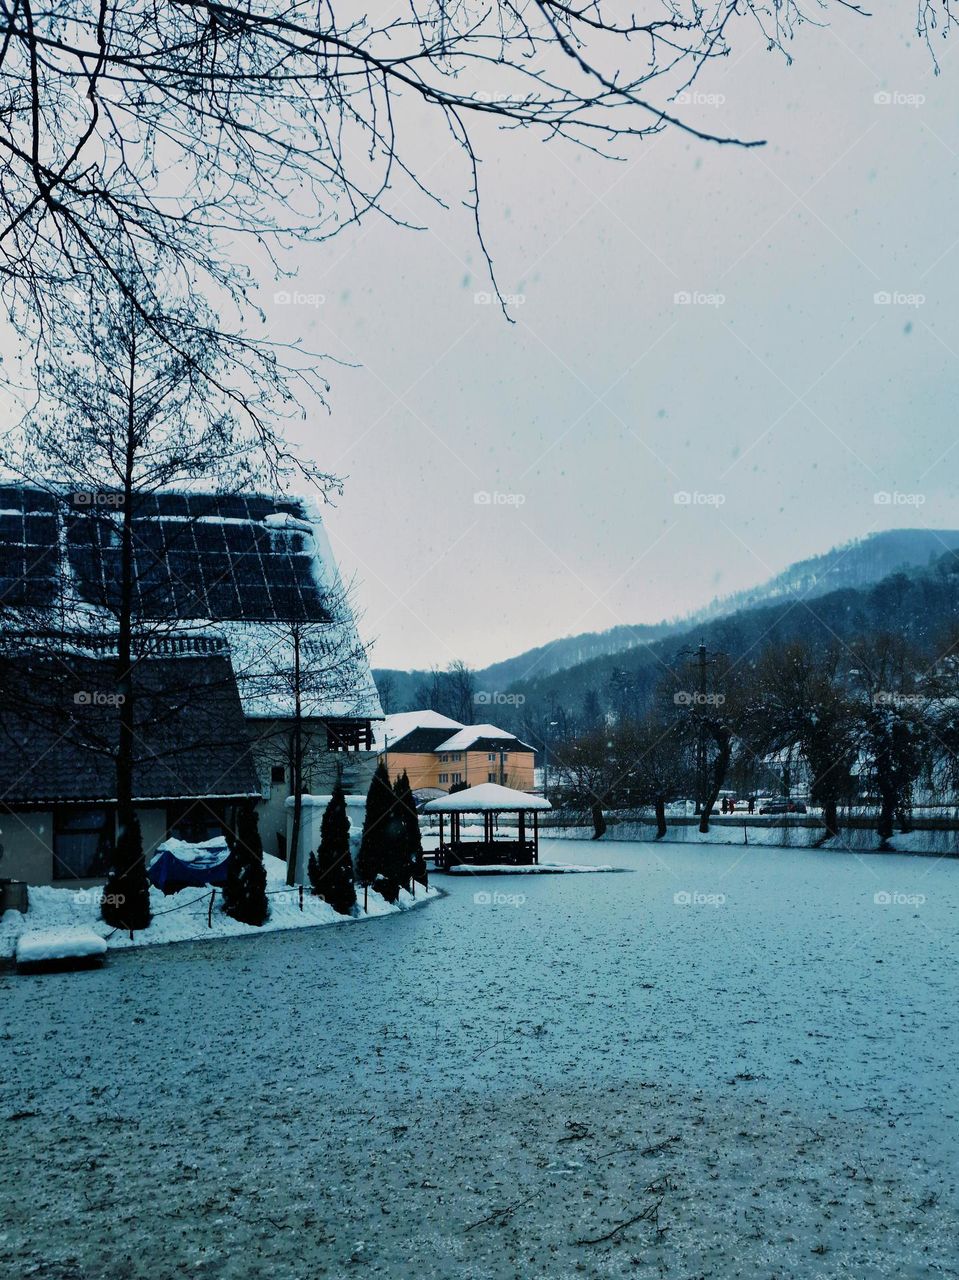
(781, 400)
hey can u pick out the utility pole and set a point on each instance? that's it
(550, 724)
(703, 658)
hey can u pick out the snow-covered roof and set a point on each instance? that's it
(488, 797)
(249, 567)
(469, 734)
(400, 723)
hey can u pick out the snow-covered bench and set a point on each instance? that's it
(60, 949)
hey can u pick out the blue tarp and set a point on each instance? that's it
(178, 865)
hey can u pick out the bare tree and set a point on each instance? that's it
(706, 714)
(893, 730)
(159, 132)
(798, 702)
(302, 677)
(461, 692)
(126, 413)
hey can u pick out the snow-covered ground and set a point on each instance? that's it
(185, 916)
(538, 869)
(735, 1062)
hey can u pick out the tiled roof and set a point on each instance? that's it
(59, 728)
(418, 740)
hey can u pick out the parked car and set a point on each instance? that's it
(783, 806)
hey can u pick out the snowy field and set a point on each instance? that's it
(185, 916)
(731, 1063)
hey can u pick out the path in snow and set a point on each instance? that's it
(744, 1051)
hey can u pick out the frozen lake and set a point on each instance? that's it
(752, 1052)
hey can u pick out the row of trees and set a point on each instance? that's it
(871, 724)
(390, 856)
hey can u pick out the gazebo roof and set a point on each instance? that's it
(488, 797)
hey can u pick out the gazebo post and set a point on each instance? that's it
(521, 822)
(440, 850)
(535, 836)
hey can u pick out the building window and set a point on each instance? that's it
(82, 843)
(491, 777)
(457, 777)
(444, 777)
(491, 755)
(444, 759)
(278, 773)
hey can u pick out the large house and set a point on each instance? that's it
(241, 617)
(438, 753)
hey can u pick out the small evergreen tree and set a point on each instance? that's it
(126, 895)
(244, 894)
(383, 839)
(415, 863)
(331, 868)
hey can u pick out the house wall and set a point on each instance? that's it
(517, 769)
(271, 746)
(426, 768)
(27, 840)
(422, 767)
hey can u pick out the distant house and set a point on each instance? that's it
(439, 753)
(253, 577)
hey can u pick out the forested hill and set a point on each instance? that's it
(921, 605)
(854, 564)
(569, 667)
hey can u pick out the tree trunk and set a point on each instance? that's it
(830, 817)
(599, 822)
(660, 817)
(125, 655)
(720, 766)
(296, 766)
(884, 826)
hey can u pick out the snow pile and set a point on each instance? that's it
(185, 916)
(37, 946)
(209, 853)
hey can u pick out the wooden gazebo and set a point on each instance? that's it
(489, 799)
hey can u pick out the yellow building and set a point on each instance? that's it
(438, 753)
